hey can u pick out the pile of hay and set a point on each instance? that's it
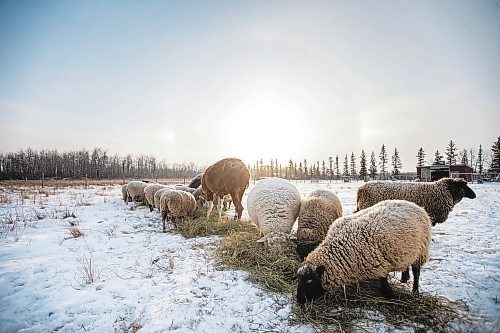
(274, 269)
(201, 227)
(356, 308)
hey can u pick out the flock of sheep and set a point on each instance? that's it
(390, 230)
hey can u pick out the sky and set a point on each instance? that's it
(197, 81)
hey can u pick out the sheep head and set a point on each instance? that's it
(274, 239)
(459, 189)
(309, 282)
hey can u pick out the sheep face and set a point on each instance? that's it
(459, 189)
(275, 239)
(309, 283)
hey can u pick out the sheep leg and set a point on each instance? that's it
(210, 207)
(150, 208)
(385, 288)
(237, 203)
(416, 276)
(405, 276)
(219, 208)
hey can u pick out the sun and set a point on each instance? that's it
(266, 126)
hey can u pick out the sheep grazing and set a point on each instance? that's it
(135, 191)
(125, 193)
(158, 194)
(149, 192)
(196, 181)
(227, 176)
(437, 198)
(387, 237)
(273, 205)
(176, 205)
(317, 212)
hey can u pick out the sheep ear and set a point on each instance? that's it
(320, 270)
(263, 240)
(293, 239)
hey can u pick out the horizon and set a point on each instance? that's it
(190, 82)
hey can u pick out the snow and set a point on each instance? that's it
(145, 279)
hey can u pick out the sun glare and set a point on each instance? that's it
(267, 126)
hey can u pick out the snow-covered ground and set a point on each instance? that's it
(145, 280)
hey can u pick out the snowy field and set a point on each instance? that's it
(124, 275)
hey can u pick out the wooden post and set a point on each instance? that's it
(43, 175)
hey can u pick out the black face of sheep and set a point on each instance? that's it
(309, 283)
(459, 189)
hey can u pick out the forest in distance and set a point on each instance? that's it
(98, 163)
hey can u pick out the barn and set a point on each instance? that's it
(435, 172)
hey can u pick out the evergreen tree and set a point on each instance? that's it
(373, 166)
(451, 153)
(290, 169)
(346, 167)
(362, 168)
(323, 170)
(383, 161)
(396, 163)
(464, 159)
(495, 160)
(354, 173)
(330, 170)
(438, 159)
(301, 171)
(306, 171)
(420, 157)
(337, 167)
(480, 160)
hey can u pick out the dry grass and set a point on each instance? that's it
(275, 270)
(201, 227)
(88, 182)
(74, 232)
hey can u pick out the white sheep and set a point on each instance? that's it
(158, 194)
(135, 190)
(176, 205)
(317, 212)
(384, 238)
(273, 205)
(149, 192)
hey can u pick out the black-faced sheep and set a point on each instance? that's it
(196, 181)
(317, 212)
(387, 237)
(227, 176)
(176, 205)
(437, 198)
(273, 205)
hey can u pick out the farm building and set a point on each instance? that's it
(435, 172)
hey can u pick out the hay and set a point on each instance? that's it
(358, 308)
(273, 268)
(201, 227)
(354, 309)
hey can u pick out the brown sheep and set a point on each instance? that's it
(227, 176)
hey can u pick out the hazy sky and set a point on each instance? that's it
(199, 81)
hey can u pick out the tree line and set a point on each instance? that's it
(378, 167)
(99, 164)
(93, 164)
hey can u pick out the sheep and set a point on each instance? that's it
(317, 212)
(149, 192)
(135, 190)
(437, 198)
(387, 237)
(175, 205)
(229, 175)
(158, 194)
(125, 193)
(196, 181)
(273, 205)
